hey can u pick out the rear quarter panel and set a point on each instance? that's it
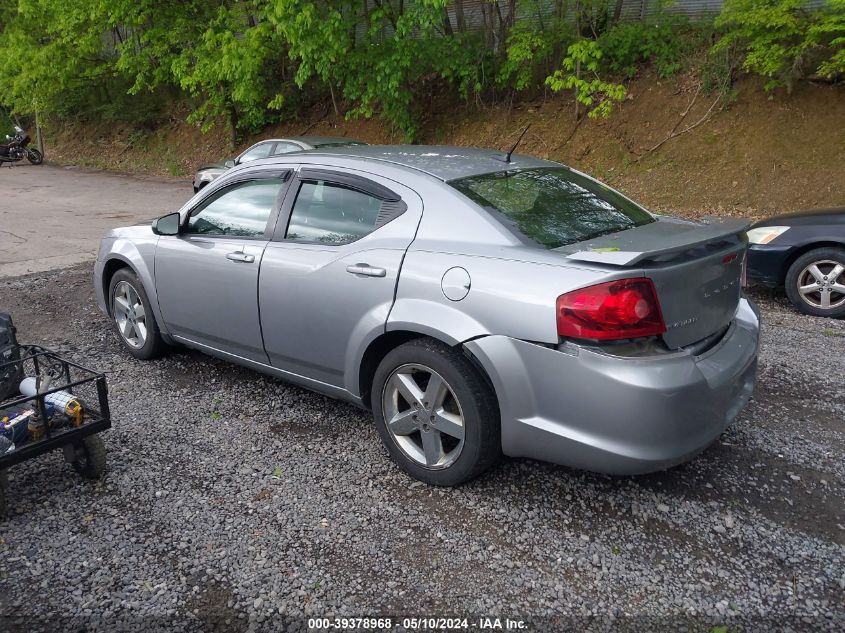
(513, 286)
(509, 294)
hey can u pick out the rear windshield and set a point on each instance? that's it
(552, 206)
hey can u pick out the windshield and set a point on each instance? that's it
(552, 206)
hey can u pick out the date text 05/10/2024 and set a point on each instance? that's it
(416, 624)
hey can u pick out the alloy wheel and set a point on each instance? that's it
(822, 284)
(130, 315)
(423, 416)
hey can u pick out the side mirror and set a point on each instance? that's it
(229, 164)
(167, 225)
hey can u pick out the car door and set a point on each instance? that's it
(207, 276)
(328, 277)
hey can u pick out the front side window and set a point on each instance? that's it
(331, 214)
(552, 207)
(262, 150)
(241, 211)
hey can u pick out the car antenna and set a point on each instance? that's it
(507, 157)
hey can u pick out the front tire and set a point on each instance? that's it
(34, 156)
(133, 316)
(815, 282)
(435, 413)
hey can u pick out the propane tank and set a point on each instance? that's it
(61, 400)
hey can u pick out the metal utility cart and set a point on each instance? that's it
(67, 414)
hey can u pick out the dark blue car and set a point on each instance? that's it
(804, 253)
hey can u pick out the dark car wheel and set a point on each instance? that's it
(132, 316)
(435, 413)
(815, 283)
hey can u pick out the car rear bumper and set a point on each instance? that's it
(599, 412)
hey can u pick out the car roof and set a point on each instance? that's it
(308, 140)
(321, 140)
(441, 161)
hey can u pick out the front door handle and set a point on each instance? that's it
(366, 270)
(239, 256)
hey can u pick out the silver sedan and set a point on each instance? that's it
(479, 304)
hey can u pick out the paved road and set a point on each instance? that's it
(52, 217)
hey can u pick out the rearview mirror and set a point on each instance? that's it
(229, 164)
(167, 225)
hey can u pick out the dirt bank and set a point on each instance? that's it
(762, 154)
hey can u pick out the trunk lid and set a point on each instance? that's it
(695, 267)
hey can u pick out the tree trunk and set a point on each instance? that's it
(447, 23)
(617, 12)
(577, 63)
(334, 101)
(459, 16)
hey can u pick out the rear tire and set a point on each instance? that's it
(815, 282)
(445, 432)
(137, 328)
(34, 156)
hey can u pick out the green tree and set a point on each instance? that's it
(596, 94)
(51, 54)
(783, 40)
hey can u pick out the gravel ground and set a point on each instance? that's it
(234, 502)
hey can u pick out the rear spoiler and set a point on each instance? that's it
(665, 237)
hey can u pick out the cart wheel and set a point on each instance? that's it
(4, 488)
(90, 459)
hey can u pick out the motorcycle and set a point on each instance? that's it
(16, 149)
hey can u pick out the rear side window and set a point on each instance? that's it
(552, 207)
(332, 214)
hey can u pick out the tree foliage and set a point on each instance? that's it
(253, 62)
(783, 40)
(582, 59)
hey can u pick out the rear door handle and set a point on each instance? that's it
(239, 256)
(366, 270)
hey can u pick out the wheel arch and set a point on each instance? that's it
(129, 257)
(112, 265)
(382, 345)
(804, 249)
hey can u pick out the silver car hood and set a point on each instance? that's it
(143, 228)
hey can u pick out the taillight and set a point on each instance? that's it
(626, 308)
